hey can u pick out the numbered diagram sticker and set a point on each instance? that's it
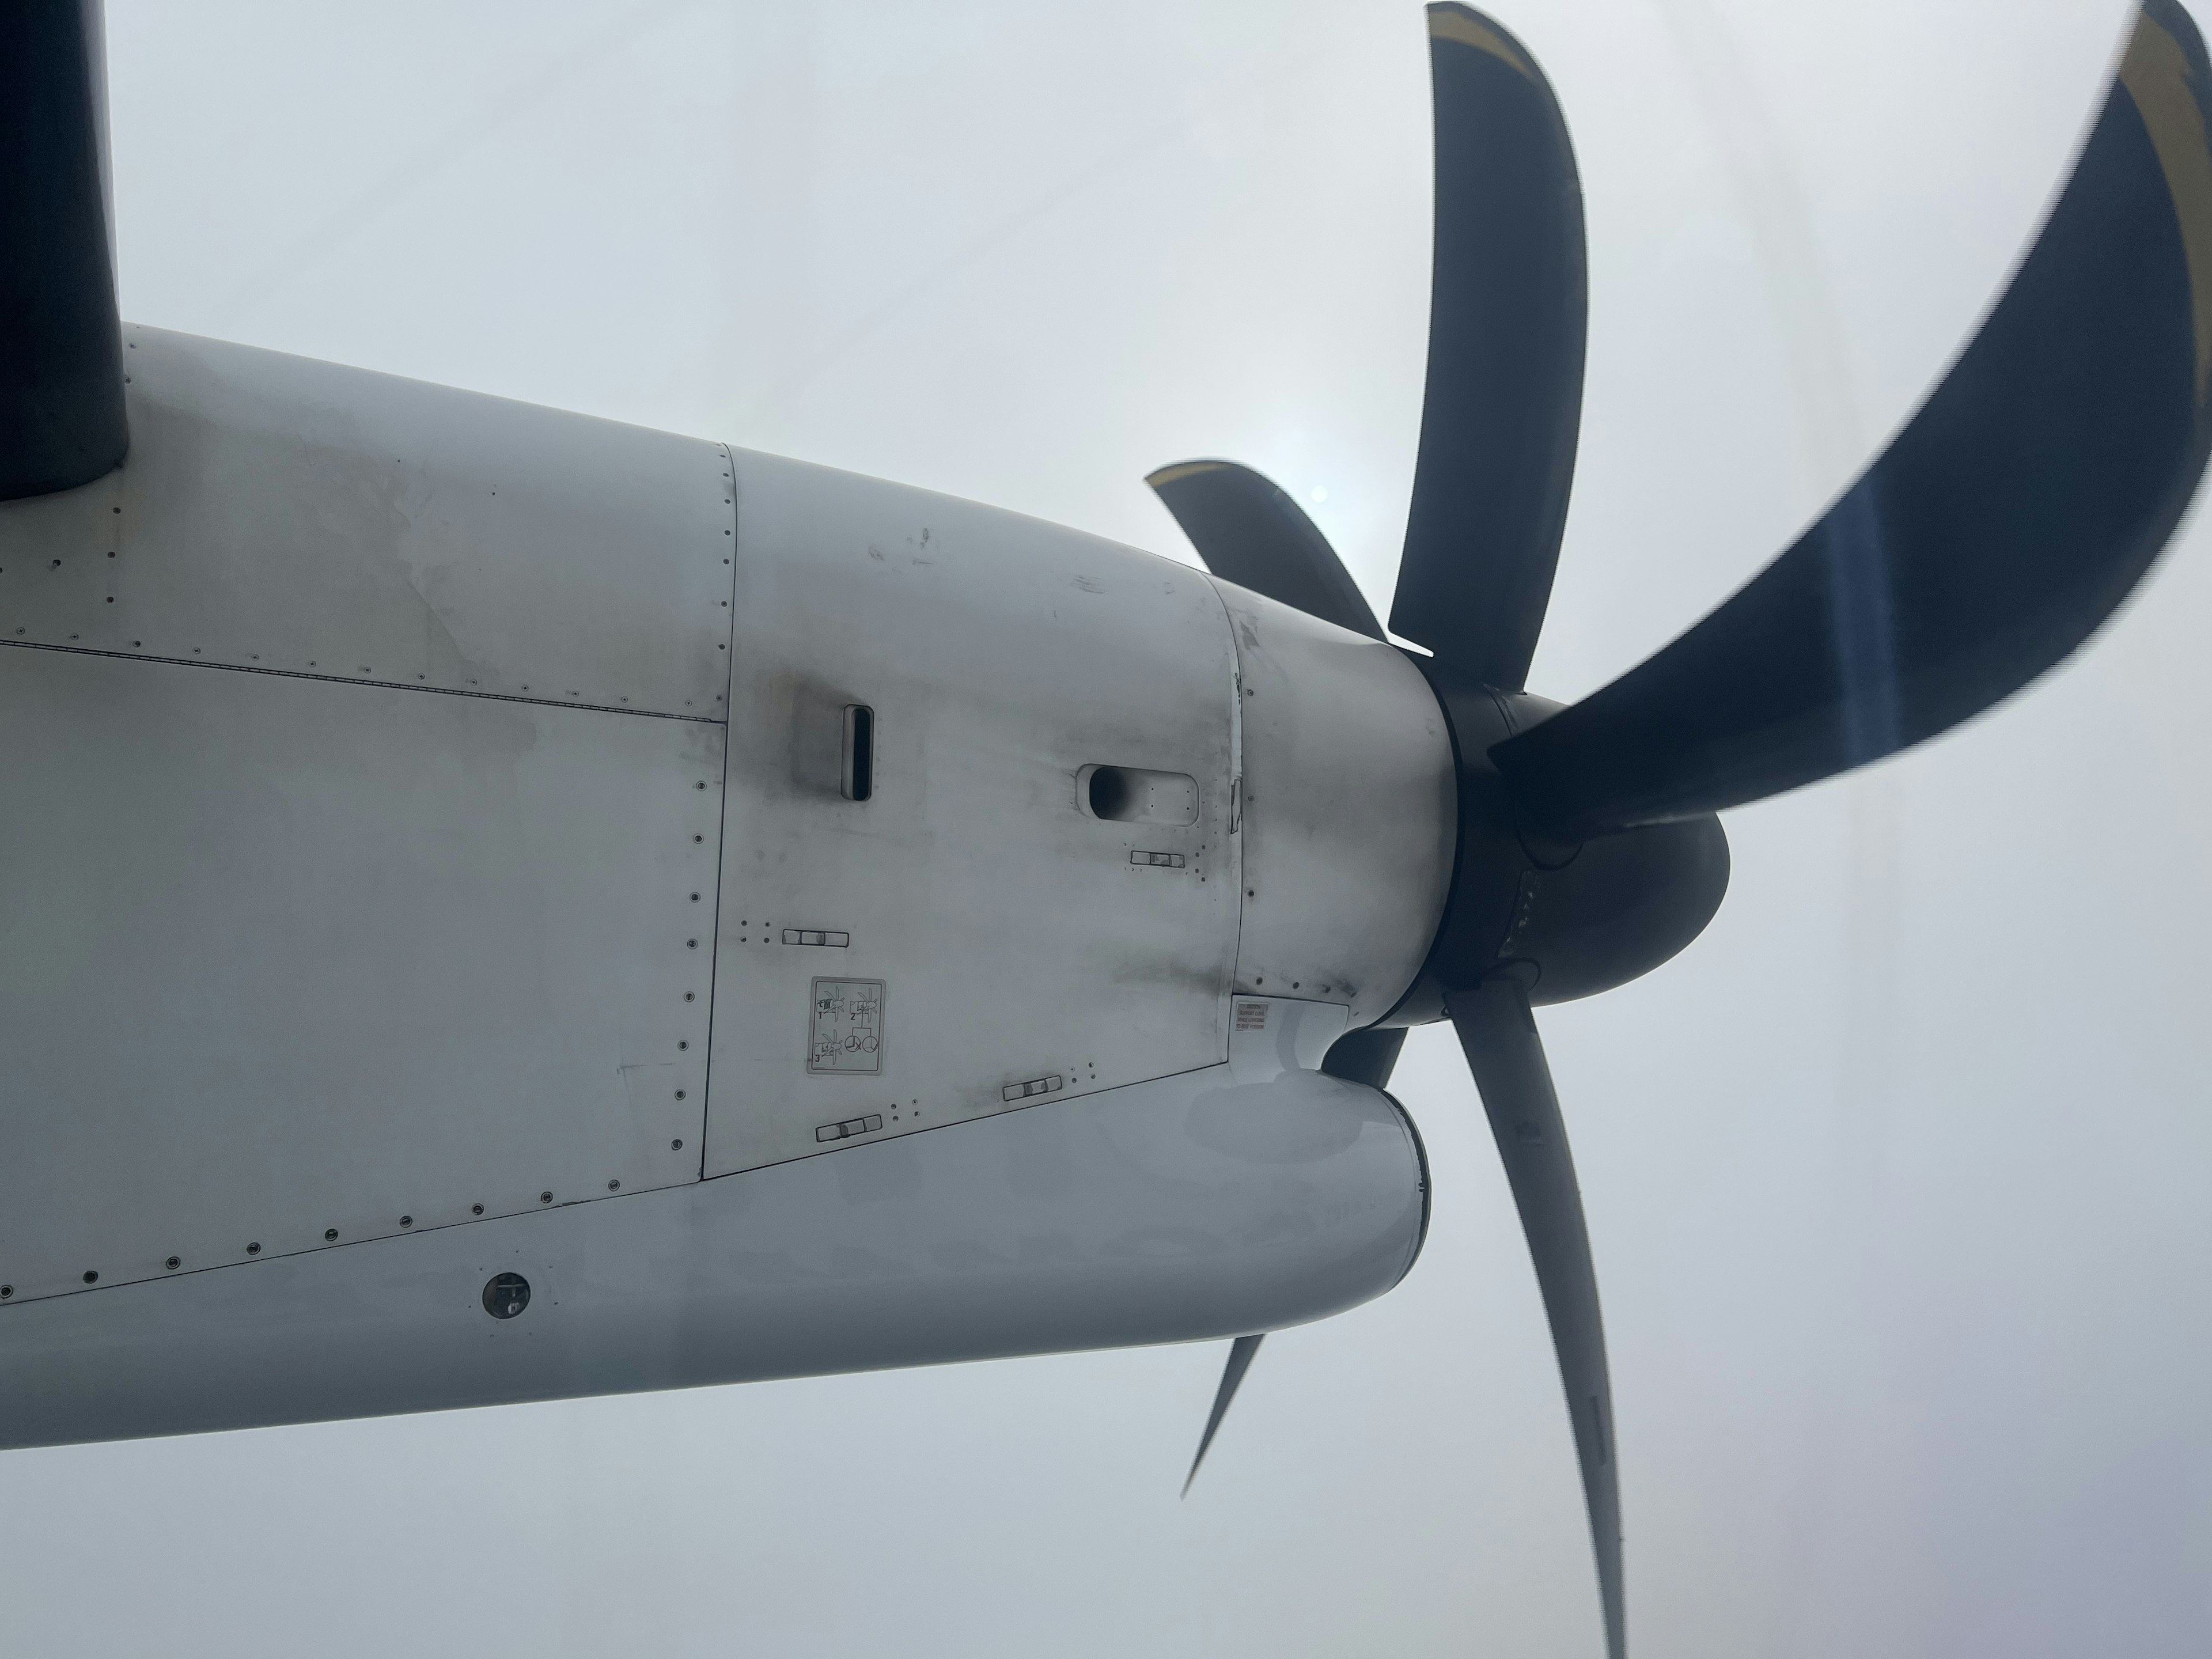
(846, 1032)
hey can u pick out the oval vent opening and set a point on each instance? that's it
(1132, 794)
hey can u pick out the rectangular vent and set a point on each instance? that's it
(850, 1127)
(859, 769)
(817, 936)
(1158, 860)
(1034, 1086)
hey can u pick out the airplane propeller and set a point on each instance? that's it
(2017, 508)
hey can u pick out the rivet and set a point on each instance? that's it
(694, 838)
(694, 898)
(700, 786)
(173, 1263)
(406, 1220)
(476, 1209)
(90, 1277)
(330, 1235)
(675, 1146)
(544, 1198)
(253, 1249)
(687, 996)
(6, 1291)
(614, 1186)
(690, 943)
(681, 1046)
(679, 1094)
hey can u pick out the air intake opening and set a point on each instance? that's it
(859, 770)
(1131, 794)
(1110, 792)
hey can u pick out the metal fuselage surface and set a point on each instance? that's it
(432, 849)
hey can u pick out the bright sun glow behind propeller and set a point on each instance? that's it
(2021, 503)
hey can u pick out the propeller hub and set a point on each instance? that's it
(1568, 918)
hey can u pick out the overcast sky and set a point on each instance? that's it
(1897, 1180)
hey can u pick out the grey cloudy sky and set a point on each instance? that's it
(1896, 1179)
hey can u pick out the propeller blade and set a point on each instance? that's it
(1508, 306)
(1507, 1057)
(1240, 1361)
(61, 344)
(1368, 1055)
(2009, 518)
(1250, 533)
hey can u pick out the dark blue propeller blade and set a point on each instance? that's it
(61, 344)
(1240, 1361)
(1507, 1057)
(1507, 313)
(2016, 511)
(1250, 533)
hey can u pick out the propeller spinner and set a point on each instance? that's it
(2022, 502)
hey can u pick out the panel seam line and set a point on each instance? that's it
(363, 680)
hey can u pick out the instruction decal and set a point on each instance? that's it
(845, 1032)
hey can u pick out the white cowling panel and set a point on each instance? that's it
(1010, 946)
(295, 517)
(1203, 1206)
(282, 959)
(328, 908)
(1349, 811)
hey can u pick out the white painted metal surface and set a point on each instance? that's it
(280, 959)
(1349, 811)
(1021, 952)
(283, 514)
(1227, 1201)
(378, 842)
